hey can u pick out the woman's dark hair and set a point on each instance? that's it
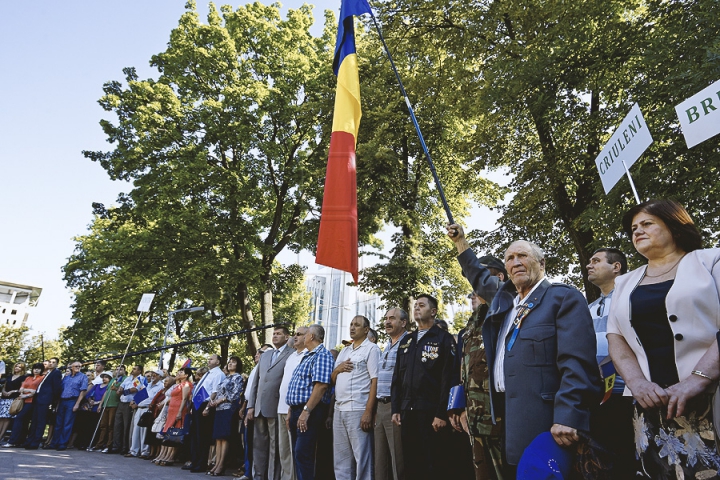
(686, 235)
(238, 363)
(39, 366)
(189, 372)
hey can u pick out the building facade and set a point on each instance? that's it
(15, 303)
(335, 303)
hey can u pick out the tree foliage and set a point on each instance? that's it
(395, 177)
(543, 86)
(13, 341)
(226, 155)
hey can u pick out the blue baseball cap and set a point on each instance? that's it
(544, 459)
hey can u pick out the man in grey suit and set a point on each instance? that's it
(540, 348)
(263, 407)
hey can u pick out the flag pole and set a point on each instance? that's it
(632, 184)
(415, 122)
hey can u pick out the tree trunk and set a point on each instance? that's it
(266, 303)
(224, 350)
(171, 363)
(247, 317)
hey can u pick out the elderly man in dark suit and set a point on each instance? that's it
(263, 407)
(540, 347)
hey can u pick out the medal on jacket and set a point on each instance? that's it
(522, 313)
(430, 352)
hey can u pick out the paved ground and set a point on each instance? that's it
(20, 464)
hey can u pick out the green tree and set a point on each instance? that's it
(38, 348)
(226, 151)
(544, 83)
(13, 341)
(395, 178)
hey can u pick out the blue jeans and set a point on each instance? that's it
(20, 423)
(63, 423)
(304, 443)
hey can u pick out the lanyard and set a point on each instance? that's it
(523, 312)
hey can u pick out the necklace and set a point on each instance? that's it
(666, 272)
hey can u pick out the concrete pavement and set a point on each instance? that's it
(21, 464)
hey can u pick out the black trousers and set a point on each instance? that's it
(611, 425)
(37, 425)
(201, 428)
(423, 447)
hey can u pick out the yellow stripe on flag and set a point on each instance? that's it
(346, 117)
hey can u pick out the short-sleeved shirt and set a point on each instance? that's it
(96, 393)
(231, 388)
(72, 385)
(138, 382)
(291, 364)
(386, 367)
(98, 378)
(112, 399)
(353, 388)
(316, 366)
(31, 383)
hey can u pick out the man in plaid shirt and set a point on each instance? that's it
(308, 397)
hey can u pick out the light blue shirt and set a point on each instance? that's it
(599, 310)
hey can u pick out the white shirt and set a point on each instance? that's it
(352, 389)
(210, 381)
(499, 371)
(292, 362)
(98, 379)
(251, 380)
(152, 389)
(131, 382)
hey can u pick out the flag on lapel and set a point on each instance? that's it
(338, 236)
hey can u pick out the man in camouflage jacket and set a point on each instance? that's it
(476, 419)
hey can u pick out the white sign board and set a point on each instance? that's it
(700, 115)
(626, 145)
(145, 302)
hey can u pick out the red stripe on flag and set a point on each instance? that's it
(338, 237)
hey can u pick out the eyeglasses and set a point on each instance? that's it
(601, 306)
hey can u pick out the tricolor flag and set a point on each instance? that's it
(187, 363)
(338, 236)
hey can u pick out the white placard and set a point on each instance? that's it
(145, 302)
(700, 115)
(626, 145)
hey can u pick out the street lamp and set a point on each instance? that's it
(167, 328)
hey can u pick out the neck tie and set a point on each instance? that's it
(197, 387)
(274, 356)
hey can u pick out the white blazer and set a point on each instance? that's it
(693, 310)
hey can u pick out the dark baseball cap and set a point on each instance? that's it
(493, 262)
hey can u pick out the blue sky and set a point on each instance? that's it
(54, 59)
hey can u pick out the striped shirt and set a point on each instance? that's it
(315, 366)
(387, 367)
(599, 310)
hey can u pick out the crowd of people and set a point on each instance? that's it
(539, 383)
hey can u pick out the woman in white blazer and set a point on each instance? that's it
(662, 339)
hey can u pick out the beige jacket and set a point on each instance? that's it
(693, 310)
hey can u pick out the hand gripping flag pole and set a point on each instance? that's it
(338, 236)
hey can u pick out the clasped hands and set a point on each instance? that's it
(651, 395)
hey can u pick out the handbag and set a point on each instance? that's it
(715, 408)
(146, 420)
(174, 436)
(16, 406)
(159, 422)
